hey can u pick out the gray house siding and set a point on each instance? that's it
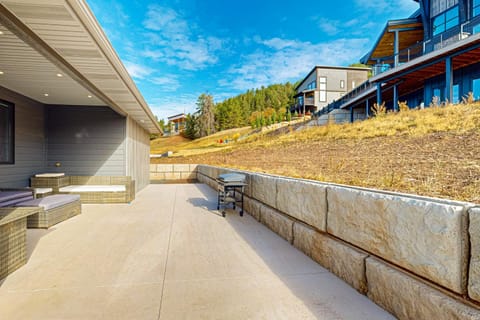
(86, 141)
(138, 154)
(30, 153)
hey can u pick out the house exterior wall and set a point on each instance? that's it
(308, 80)
(335, 77)
(86, 141)
(30, 150)
(138, 154)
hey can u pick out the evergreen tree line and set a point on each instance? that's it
(256, 107)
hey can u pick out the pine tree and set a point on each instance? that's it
(205, 115)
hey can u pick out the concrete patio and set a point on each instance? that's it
(170, 255)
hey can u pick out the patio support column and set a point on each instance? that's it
(367, 109)
(351, 114)
(379, 93)
(395, 97)
(448, 79)
(395, 47)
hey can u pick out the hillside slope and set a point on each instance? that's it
(433, 152)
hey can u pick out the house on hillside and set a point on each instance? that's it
(177, 123)
(427, 58)
(67, 103)
(325, 84)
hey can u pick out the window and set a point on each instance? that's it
(445, 21)
(342, 84)
(6, 133)
(312, 85)
(476, 89)
(323, 89)
(476, 29)
(456, 94)
(437, 96)
(439, 6)
(476, 7)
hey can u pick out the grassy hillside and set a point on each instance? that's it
(434, 152)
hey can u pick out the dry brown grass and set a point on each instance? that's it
(433, 152)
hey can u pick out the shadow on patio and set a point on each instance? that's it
(170, 255)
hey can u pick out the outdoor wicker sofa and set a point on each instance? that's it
(50, 210)
(92, 189)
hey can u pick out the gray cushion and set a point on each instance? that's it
(13, 202)
(9, 195)
(50, 202)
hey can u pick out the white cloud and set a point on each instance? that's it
(171, 40)
(329, 26)
(167, 83)
(172, 105)
(292, 63)
(137, 70)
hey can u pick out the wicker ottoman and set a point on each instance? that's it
(53, 209)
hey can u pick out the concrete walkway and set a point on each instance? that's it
(170, 255)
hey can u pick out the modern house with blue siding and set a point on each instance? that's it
(67, 103)
(433, 56)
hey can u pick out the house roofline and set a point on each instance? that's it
(331, 68)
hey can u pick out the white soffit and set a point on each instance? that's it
(63, 37)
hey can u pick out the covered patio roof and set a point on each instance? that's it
(55, 52)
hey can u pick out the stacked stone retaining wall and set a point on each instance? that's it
(417, 257)
(173, 173)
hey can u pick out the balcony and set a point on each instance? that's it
(440, 41)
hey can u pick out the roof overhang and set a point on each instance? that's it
(329, 68)
(410, 33)
(177, 117)
(57, 47)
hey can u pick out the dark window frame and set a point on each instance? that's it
(445, 24)
(475, 8)
(11, 107)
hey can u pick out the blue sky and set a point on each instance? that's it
(175, 50)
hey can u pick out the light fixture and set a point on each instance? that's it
(59, 75)
(1, 32)
(142, 121)
(45, 94)
(89, 96)
(1, 72)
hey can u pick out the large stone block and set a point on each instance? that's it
(304, 238)
(164, 167)
(173, 176)
(264, 189)
(474, 274)
(303, 200)
(181, 168)
(188, 175)
(426, 237)
(406, 297)
(193, 167)
(343, 260)
(205, 170)
(277, 222)
(153, 168)
(252, 207)
(157, 176)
